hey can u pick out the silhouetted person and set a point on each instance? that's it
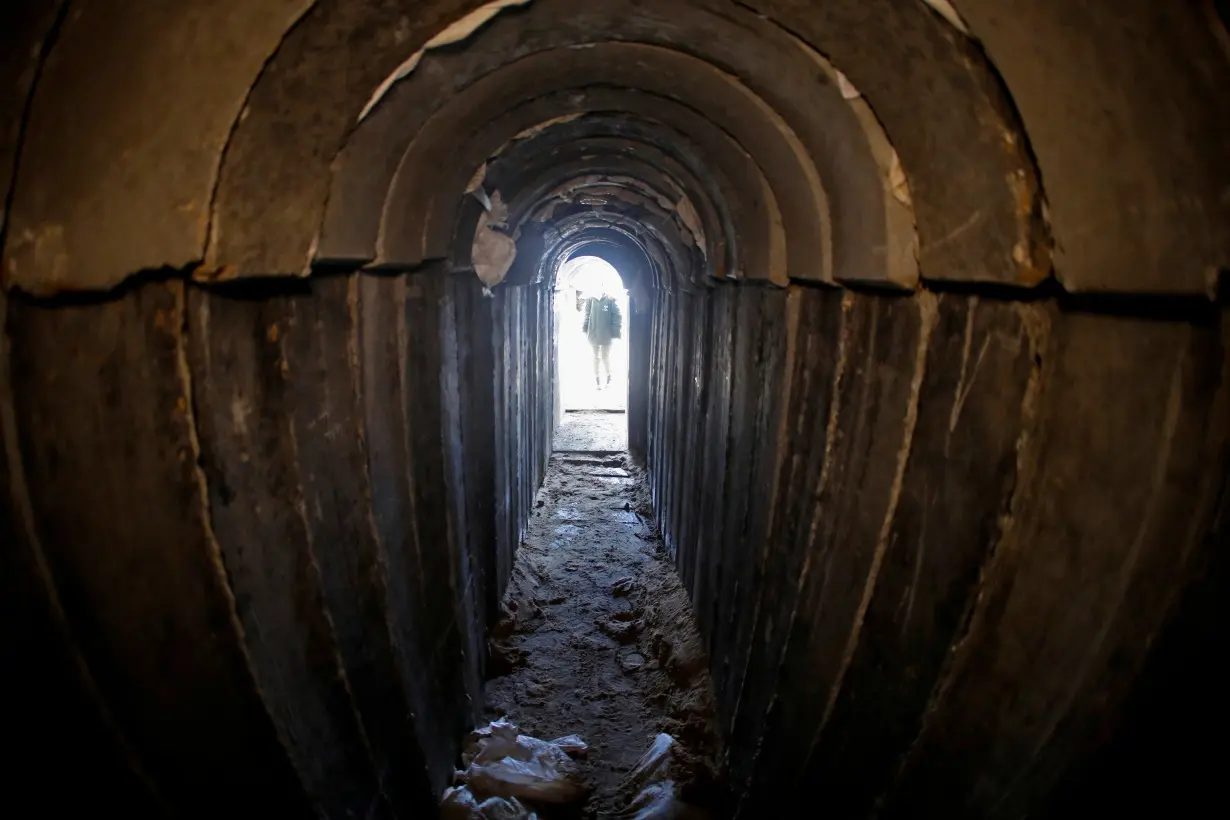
(602, 324)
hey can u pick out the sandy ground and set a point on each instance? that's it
(592, 433)
(599, 638)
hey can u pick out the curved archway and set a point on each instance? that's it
(932, 349)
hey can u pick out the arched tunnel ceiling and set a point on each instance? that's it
(123, 141)
(661, 72)
(1122, 134)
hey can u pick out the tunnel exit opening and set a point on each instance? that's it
(591, 350)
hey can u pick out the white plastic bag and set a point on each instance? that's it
(502, 763)
(572, 744)
(658, 795)
(460, 804)
(653, 765)
(530, 769)
(494, 741)
(658, 801)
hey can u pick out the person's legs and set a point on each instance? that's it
(597, 348)
(606, 361)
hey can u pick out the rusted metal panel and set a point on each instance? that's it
(104, 409)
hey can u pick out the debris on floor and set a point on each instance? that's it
(505, 767)
(597, 636)
(652, 782)
(460, 804)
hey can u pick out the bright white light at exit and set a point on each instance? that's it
(592, 277)
(585, 383)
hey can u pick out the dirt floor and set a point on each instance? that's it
(592, 432)
(599, 638)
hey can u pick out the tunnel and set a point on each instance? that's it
(928, 370)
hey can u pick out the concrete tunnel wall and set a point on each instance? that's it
(925, 370)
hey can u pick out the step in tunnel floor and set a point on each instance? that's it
(598, 637)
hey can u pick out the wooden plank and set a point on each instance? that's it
(104, 410)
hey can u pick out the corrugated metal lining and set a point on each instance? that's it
(928, 538)
(315, 593)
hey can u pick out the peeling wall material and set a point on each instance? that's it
(493, 254)
(456, 32)
(945, 9)
(133, 192)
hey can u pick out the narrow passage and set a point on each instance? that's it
(598, 637)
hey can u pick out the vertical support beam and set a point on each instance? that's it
(640, 344)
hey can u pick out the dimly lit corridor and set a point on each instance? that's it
(927, 402)
(598, 637)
